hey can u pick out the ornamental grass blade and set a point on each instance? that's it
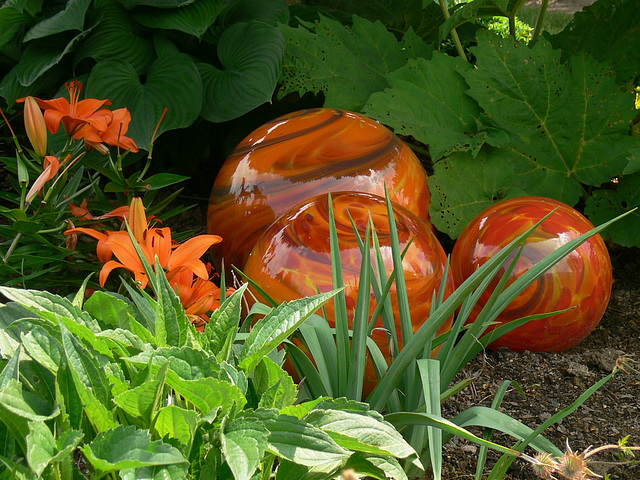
(319, 338)
(312, 381)
(270, 331)
(429, 370)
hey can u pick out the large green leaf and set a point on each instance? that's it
(116, 37)
(570, 120)
(609, 30)
(69, 18)
(427, 100)
(270, 12)
(223, 326)
(177, 423)
(193, 19)
(274, 386)
(463, 186)
(128, 447)
(172, 82)
(251, 55)
(156, 3)
(12, 21)
(171, 321)
(142, 402)
(347, 64)
(43, 449)
(209, 395)
(186, 363)
(244, 442)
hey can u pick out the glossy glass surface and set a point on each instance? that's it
(292, 259)
(582, 280)
(298, 156)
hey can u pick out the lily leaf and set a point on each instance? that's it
(251, 54)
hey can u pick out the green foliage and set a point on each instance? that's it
(551, 119)
(207, 58)
(169, 402)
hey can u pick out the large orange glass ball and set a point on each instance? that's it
(582, 279)
(292, 259)
(298, 156)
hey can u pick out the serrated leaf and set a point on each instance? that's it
(173, 82)
(244, 442)
(223, 325)
(184, 362)
(25, 404)
(609, 30)
(209, 395)
(110, 310)
(142, 402)
(270, 331)
(11, 370)
(128, 447)
(43, 348)
(605, 204)
(571, 121)
(462, 187)
(275, 387)
(302, 443)
(427, 100)
(471, 12)
(176, 423)
(251, 55)
(43, 449)
(160, 472)
(116, 37)
(346, 64)
(69, 18)
(193, 19)
(361, 433)
(171, 320)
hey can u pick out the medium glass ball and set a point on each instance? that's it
(298, 156)
(292, 259)
(582, 279)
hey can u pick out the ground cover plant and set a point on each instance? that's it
(129, 365)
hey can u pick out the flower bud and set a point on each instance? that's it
(35, 126)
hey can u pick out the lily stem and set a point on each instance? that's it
(454, 33)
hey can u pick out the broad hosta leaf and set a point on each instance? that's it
(156, 3)
(360, 433)
(223, 326)
(172, 82)
(463, 186)
(347, 64)
(271, 12)
(609, 30)
(128, 447)
(244, 442)
(251, 55)
(176, 423)
(604, 204)
(302, 443)
(70, 18)
(193, 19)
(427, 100)
(270, 331)
(570, 120)
(43, 449)
(116, 37)
(11, 21)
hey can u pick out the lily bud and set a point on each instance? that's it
(137, 219)
(35, 126)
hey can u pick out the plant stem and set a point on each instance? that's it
(454, 33)
(12, 247)
(540, 20)
(512, 26)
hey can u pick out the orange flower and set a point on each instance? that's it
(82, 212)
(74, 113)
(198, 297)
(35, 126)
(51, 166)
(113, 134)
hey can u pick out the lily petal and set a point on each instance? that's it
(193, 248)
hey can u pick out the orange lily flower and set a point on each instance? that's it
(198, 297)
(51, 166)
(74, 113)
(82, 212)
(35, 126)
(113, 134)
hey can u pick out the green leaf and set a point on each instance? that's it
(360, 433)
(209, 395)
(12, 20)
(302, 443)
(244, 442)
(427, 100)
(270, 12)
(172, 321)
(251, 55)
(25, 404)
(274, 386)
(110, 310)
(142, 402)
(570, 122)
(184, 362)
(486, 179)
(223, 325)
(609, 30)
(128, 447)
(11, 370)
(161, 180)
(346, 64)
(130, 4)
(116, 37)
(471, 12)
(43, 348)
(270, 331)
(70, 18)
(177, 423)
(43, 449)
(193, 19)
(162, 472)
(605, 204)
(173, 82)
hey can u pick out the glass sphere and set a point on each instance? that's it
(298, 156)
(582, 279)
(292, 259)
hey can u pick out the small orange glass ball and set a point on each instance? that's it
(582, 279)
(298, 156)
(292, 259)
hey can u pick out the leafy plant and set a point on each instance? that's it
(413, 382)
(117, 386)
(552, 118)
(198, 58)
